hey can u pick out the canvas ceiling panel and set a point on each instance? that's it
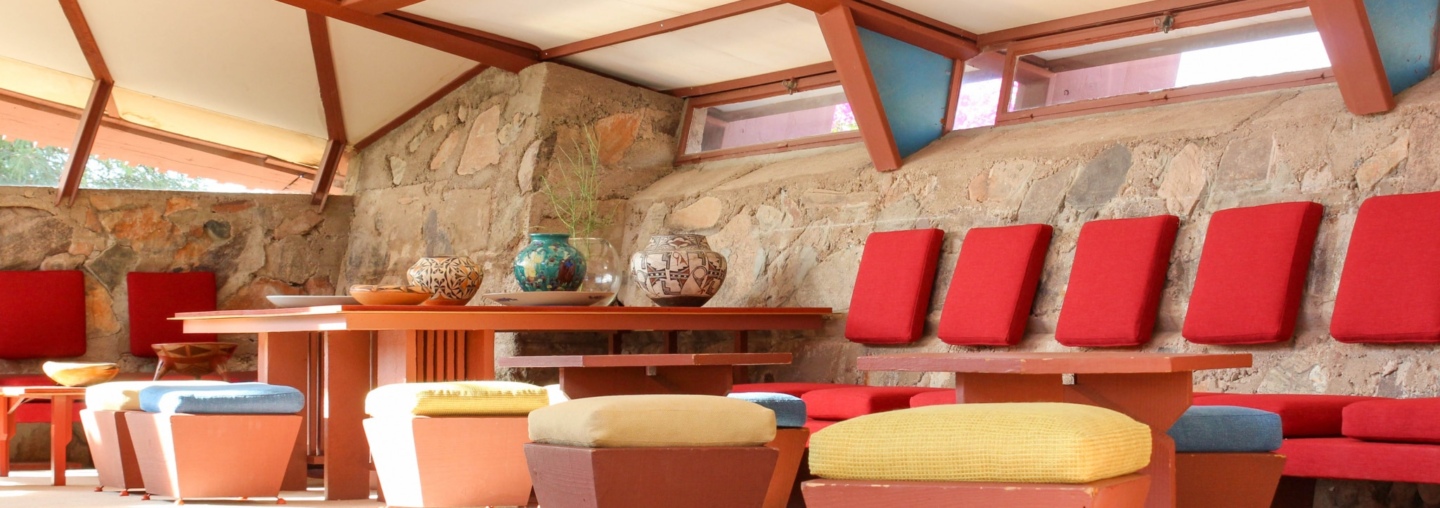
(249, 59)
(984, 16)
(44, 83)
(381, 76)
(769, 40)
(550, 23)
(36, 32)
(226, 130)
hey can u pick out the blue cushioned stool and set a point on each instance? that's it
(233, 440)
(789, 409)
(1226, 429)
(791, 437)
(1224, 457)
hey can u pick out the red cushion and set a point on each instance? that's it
(817, 425)
(846, 403)
(42, 314)
(933, 398)
(1300, 415)
(1350, 459)
(1404, 420)
(796, 389)
(994, 285)
(26, 380)
(1390, 286)
(156, 297)
(1252, 274)
(892, 287)
(1115, 282)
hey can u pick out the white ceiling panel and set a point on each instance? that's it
(36, 32)
(984, 16)
(381, 76)
(249, 59)
(550, 23)
(750, 44)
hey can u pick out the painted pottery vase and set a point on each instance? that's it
(678, 270)
(453, 280)
(549, 263)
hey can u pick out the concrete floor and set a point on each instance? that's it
(32, 489)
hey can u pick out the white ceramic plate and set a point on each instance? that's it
(552, 298)
(309, 300)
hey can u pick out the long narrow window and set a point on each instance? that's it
(793, 119)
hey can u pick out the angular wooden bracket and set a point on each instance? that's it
(84, 141)
(329, 165)
(848, 52)
(1345, 27)
(473, 48)
(330, 101)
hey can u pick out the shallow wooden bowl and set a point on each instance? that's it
(388, 295)
(80, 374)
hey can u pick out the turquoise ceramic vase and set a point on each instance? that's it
(549, 263)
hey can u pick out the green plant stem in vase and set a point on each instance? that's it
(575, 195)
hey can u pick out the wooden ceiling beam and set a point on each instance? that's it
(377, 6)
(660, 27)
(417, 108)
(330, 102)
(513, 45)
(914, 33)
(1354, 55)
(86, 38)
(842, 37)
(84, 140)
(329, 166)
(479, 51)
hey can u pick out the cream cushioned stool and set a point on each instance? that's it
(1018, 454)
(652, 451)
(109, 436)
(452, 444)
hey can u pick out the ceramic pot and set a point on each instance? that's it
(453, 280)
(604, 270)
(678, 270)
(549, 263)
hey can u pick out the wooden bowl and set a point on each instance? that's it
(388, 295)
(80, 374)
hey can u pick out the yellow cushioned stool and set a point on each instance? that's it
(452, 444)
(651, 451)
(109, 436)
(1018, 454)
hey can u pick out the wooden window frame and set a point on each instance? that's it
(757, 92)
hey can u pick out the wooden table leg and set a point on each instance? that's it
(1156, 400)
(7, 429)
(284, 359)
(582, 382)
(742, 345)
(61, 427)
(347, 381)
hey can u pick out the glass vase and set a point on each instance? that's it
(604, 270)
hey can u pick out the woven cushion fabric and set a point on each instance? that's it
(850, 402)
(933, 398)
(1016, 442)
(1226, 429)
(1115, 282)
(156, 297)
(125, 395)
(1351, 459)
(653, 421)
(237, 398)
(1390, 286)
(42, 314)
(1252, 274)
(1300, 415)
(458, 398)
(892, 287)
(789, 409)
(994, 285)
(796, 389)
(1402, 420)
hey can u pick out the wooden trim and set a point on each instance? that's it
(684, 137)
(479, 51)
(325, 72)
(838, 26)
(515, 45)
(957, 77)
(419, 107)
(683, 21)
(1097, 18)
(838, 138)
(329, 166)
(762, 79)
(377, 6)
(766, 90)
(1007, 84)
(84, 141)
(86, 38)
(1345, 28)
(916, 34)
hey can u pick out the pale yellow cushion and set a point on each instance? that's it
(125, 395)
(1029, 442)
(653, 421)
(457, 398)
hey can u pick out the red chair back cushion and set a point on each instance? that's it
(156, 297)
(994, 285)
(892, 288)
(1390, 286)
(1115, 282)
(1252, 274)
(42, 314)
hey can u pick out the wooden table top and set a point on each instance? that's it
(40, 391)
(1053, 363)
(647, 360)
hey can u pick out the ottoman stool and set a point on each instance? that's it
(215, 441)
(1223, 457)
(452, 444)
(965, 455)
(109, 437)
(790, 439)
(652, 451)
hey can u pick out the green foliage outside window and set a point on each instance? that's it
(24, 163)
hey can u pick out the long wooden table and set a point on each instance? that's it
(336, 354)
(599, 375)
(1153, 388)
(62, 402)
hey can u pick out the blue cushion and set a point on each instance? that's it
(789, 409)
(1226, 429)
(238, 398)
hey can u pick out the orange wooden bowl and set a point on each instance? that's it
(388, 295)
(80, 374)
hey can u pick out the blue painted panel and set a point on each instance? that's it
(1405, 32)
(914, 87)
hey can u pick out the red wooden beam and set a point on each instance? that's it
(952, 106)
(86, 38)
(325, 71)
(1345, 28)
(378, 6)
(84, 140)
(513, 45)
(846, 50)
(908, 30)
(1097, 18)
(417, 108)
(922, 19)
(716, 13)
(479, 51)
(329, 165)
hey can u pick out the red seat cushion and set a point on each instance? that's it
(1390, 286)
(1115, 282)
(796, 389)
(935, 398)
(892, 287)
(994, 285)
(850, 402)
(1300, 415)
(1252, 274)
(42, 314)
(1403, 420)
(1351, 459)
(39, 412)
(26, 380)
(156, 297)
(817, 425)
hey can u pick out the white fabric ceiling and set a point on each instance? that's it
(984, 16)
(550, 23)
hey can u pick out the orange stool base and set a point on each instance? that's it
(451, 461)
(709, 477)
(1122, 492)
(1231, 480)
(186, 456)
(108, 435)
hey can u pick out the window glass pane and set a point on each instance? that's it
(799, 115)
(25, 163)
(979, 93)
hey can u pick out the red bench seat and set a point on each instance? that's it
(1301, 415)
